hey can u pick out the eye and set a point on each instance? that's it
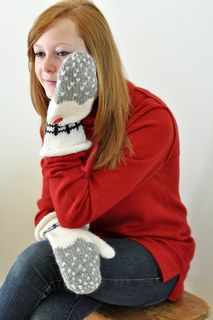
(63, 53)
(39, 54)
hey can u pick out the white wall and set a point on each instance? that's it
(166, 47)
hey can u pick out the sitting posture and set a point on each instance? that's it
(111, 227)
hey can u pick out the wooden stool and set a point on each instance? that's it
(187, 307)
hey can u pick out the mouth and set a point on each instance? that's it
(50, 82)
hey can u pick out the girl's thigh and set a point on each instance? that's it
(132, 277)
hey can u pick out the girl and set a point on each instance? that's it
(110, 164)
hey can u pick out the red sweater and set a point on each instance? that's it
(139, 200)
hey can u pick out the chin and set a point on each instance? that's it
(49, 94)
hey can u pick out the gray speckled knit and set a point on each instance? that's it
(77, 80)
(80, 266)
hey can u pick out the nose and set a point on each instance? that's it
(49, 65)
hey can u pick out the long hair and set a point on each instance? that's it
(114, 103)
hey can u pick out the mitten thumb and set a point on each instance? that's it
(105, 250)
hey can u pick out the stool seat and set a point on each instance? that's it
(187, 307)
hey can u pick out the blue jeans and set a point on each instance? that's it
(34, 289)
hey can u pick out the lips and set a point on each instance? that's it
(50, 82)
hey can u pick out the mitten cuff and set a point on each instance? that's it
(46, 223)
(42, 224)
(62, 151)
(65, 140)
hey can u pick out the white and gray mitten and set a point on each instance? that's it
(76, 90)
(77, 253)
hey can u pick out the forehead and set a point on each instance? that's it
(62, 30)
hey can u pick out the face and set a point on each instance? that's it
(60, 40)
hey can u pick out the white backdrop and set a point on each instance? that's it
(166, 47)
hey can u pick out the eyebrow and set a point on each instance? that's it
(57, 44)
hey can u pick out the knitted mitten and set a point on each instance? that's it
(77, 253)
(76, 90)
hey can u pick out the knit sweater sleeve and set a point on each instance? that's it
(80, 197)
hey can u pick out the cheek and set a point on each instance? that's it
(37, 72)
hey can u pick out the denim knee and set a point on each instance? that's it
(31, 256)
